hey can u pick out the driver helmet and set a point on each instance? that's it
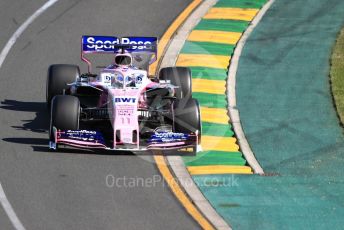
(123, 59)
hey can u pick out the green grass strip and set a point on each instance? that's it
(219, 130)
(222, 25)
(337, 75)
(241, 3)
(211, 100)
(215, 158)
(217, 161)
(207, 48)
(208, 73)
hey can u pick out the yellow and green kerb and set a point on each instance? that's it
(207, 51)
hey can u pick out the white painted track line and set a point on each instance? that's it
(22, 28)
(3, 199)
(9, 210)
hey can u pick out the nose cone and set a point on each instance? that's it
(123, 104)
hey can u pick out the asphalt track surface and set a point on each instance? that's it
(68, 190)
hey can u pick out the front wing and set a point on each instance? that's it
(88, 139)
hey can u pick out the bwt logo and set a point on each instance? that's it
(130, 100)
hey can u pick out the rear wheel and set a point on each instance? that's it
(65, 112)
(58, 77)
(178, 76)
(187, 117)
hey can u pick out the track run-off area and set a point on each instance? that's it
(286, 110)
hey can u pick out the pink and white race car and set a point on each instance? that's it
(122, 108)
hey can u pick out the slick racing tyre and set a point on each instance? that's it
(187, 117)
(58, 77)
(178, 76)
(65, 112)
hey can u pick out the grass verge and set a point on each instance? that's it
(337, 75)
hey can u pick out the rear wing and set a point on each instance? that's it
(110, 45)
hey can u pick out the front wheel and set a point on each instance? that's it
(187, 117)
(65, 112)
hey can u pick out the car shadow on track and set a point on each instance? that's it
(40, 124)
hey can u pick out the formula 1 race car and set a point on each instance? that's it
(122, 108)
